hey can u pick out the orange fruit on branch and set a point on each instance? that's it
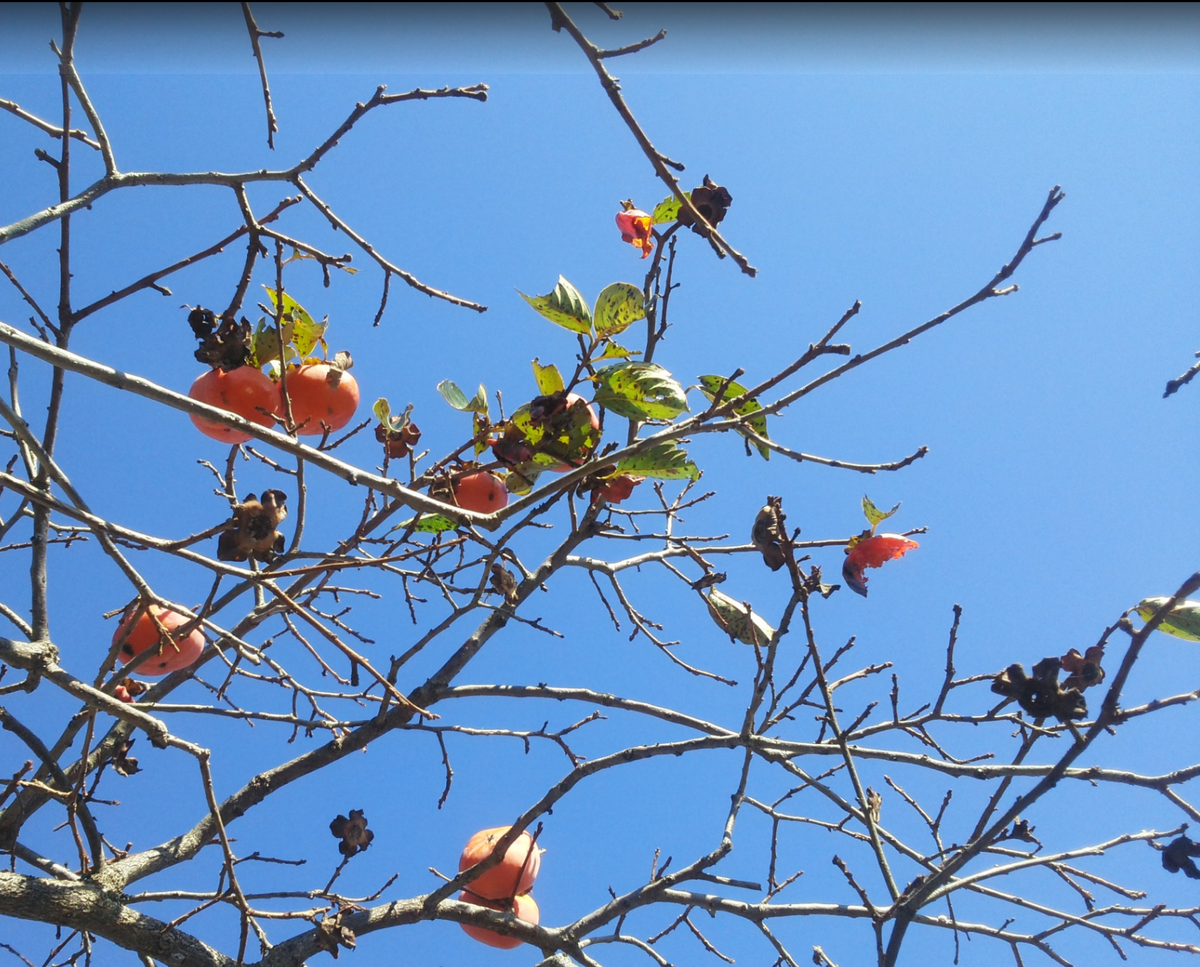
(483, 492)
(246, 391)
(323, 395)
(513, 875)
(524, 908)
(172, 651)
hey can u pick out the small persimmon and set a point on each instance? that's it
(322, 396)
(246, 391)
(483, 492)
(513, 875)
(524, 908)
(172, 651)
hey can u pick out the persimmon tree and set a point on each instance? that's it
(346, 597)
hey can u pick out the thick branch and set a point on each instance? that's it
(86, 907)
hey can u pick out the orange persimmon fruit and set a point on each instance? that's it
(524, 908)
(322, 396)
(246, 391)
(513, 875)
(172, 651)
(483, 492)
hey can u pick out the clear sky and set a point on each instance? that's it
(891, 155)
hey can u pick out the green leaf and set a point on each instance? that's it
(567, 437)
(613, 351)
(640, 391)
(667, 210)
(520, 482)
(1183, 621)
(666, 461)
(458, 399)
(564, 307)
(711, 385)
(306, 332)
(618, 306)
(265, 342)
(874, 515)
(738, 621)
(479, 427)
(549, 380)
(427, 524)
(382, 411)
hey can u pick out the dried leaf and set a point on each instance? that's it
(737, 620)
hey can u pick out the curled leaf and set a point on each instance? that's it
(1183, 620)
(872, 551)
(640, 391)
(458, 399)
(769, 533)
(737, 620)
(564, 306)
(710, 386)
(874, 515)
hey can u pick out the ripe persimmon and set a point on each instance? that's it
(322, 396)
(513, 875)
(172, 651)
(246, 391)
(483, 492)
(524, 908)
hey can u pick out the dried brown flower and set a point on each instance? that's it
(225, 345)
(1085, 669)
(252, 532)
(1178, 856)
(711, 200)
(1040, 694)
(504, 583)
(123, 762)
(400, 442)
(353, 832)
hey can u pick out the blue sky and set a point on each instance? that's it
(896, 158)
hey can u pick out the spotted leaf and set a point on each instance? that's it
(640, 391)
